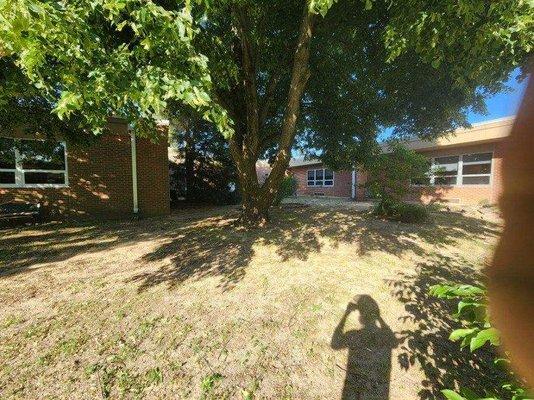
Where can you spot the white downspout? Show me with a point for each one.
(134, 172)
(354, 183)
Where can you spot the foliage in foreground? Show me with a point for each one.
(90, 59)
(476, 332)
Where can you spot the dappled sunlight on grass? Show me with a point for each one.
(158, 308)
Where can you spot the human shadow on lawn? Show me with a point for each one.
(444, 364)
(217, 247)
(368, 369)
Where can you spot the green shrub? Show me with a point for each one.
(399, 211)
(476, 332)
(412, 213)
(389, 174)
(288, 187)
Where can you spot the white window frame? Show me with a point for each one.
(433, 176)
(323, 180)
(460, 175)
(19, 171)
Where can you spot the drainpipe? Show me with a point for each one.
(354, 183)
(134, 172)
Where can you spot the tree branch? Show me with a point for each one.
(249, 82)
(269, 97)
(299, 78)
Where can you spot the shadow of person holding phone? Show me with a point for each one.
(369, 351)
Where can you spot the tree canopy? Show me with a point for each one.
(358, 67)
(322, 74)
(96, 58)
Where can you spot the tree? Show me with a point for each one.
(89, 59)
(322, 75)
(204, 172)
(331, 76)
(390, 174)
(476, 332)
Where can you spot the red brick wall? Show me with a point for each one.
(469, 194)
(153, 177)
(497, 168)
(342, 183)
(100, 179)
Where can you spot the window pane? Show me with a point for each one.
(7, 177)
(476, 180)
(44, 178)
(448, 169)
(477, 157)
(445, 180)
(446, 165)
(39, 154)
(7, 153)
(474, 169)
(311, 175)
(329, 183)
(318, 174)
(311, 183)
(319, 183)
(328, 174)
(446, 160)
(424, 181)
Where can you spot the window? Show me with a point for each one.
(7, 161)
(320, 177)
(466, 169)
(27, 163)
(421, 181)
(328, 177)
(476, 169)
(445, 170)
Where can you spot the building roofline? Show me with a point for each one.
(294, 163)
(484, 132)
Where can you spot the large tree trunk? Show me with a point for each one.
(255, 210)
(245, 148)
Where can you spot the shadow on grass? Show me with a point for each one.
(368, 370)
(208, 243)
(444, 364)
(216, 247)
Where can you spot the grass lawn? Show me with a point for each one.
(191, 307)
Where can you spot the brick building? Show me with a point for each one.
(116, 176)
(467, 168)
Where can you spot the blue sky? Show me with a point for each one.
(503, 104)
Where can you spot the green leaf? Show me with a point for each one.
(451, 395)
(461, 333)
(491, 335)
